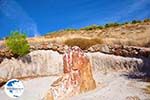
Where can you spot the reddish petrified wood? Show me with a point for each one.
(77, 76)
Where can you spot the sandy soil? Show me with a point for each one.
(35, 88)
(110, 86)
(115, 86)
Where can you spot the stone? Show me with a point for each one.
(105, 49)
(77, 77)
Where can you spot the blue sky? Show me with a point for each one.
(38, 17)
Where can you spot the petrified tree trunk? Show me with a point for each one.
(77, 76)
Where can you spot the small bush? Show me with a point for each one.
(100, 27)
(70, 29)
(136, 21)
(92, 27)
(147, 20)
(17, 43)
(82, 42)
(112, 25)
(125, 23)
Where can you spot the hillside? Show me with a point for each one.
(137, 34)
(130, 34)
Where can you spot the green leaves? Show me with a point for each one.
(92, 27)
(17, 43)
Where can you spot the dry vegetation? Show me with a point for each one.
(83, 43)
(135, 33)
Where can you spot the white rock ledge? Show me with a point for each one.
(47, 62)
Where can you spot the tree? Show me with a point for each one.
(17, 43)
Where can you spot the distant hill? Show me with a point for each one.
(135, 33)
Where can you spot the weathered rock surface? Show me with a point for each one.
(47, 62)
(77, 76)
(110, 86)
(120, 50)
(106, 62)
(115, 86)
(37, 63)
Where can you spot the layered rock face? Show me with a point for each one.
(36, 63)
(104, 62)
(77, 76)
(47, 62)
(120, 50)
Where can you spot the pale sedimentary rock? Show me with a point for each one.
(35, 64)
(103, 62)
(48, 62)
(77, 77)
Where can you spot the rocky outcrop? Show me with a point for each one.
(36, 63)
(77, 76)
(106, 62)
(120, 50)
(61, 48)
(6, 53)
(47, 62)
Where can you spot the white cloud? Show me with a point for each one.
(12, 10)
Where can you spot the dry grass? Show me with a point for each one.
(83, 43)
(137, 34)
(129, 34)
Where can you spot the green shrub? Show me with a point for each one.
(17, 43)
(100, 27)
(92, 27)
(82, 42)
(135, 21)
(112, 25)
(125, 23)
